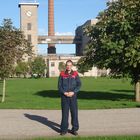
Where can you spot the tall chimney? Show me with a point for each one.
(51, 32)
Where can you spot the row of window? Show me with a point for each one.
(29, 27)
(29, 38)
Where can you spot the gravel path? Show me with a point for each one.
(24, 124)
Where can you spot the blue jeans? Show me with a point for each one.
(69, 103)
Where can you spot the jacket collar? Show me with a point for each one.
(66, 72)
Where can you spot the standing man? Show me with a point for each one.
(69, 84)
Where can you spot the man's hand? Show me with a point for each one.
(70, 94)
(66, 94)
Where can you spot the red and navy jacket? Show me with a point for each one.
(69, 82)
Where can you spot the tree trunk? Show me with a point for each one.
(3, 91)
(137, 91)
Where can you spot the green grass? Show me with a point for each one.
(97, 93)
(95, 138)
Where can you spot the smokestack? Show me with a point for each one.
(51, 32)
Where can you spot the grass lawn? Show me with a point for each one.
(95, 138)
(97, 93)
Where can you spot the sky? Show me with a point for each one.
(68, 15)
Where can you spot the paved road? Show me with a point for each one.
(23, 124)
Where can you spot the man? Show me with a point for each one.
(69, 84)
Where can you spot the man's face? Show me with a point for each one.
(69, 66)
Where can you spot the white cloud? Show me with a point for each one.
(64, 33)
(42, 31)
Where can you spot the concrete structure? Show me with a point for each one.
(28, 22)
(84, 39)
(42, 39)
(80, 39)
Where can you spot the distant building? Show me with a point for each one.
(80, 32)
(53, 62)
(28, 22)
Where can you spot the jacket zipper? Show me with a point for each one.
(69, 84)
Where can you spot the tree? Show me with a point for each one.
(38, 66)
(61, 66)
(22, 68)
(13, 46)
(115, 40)
(82, 66)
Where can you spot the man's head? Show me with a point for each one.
(69, 65)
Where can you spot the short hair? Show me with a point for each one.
(69, 61)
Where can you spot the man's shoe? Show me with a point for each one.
(63, 133)
(75, 133)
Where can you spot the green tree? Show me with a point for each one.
(13, 46)
(61, 66)
(82, 66)
(38, 66)
(115, 40)
(22, 68)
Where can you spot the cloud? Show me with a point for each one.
(42, 31)
(64, 33)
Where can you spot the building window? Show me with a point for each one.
(52, 64)
(29, 38)
(29, 26)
